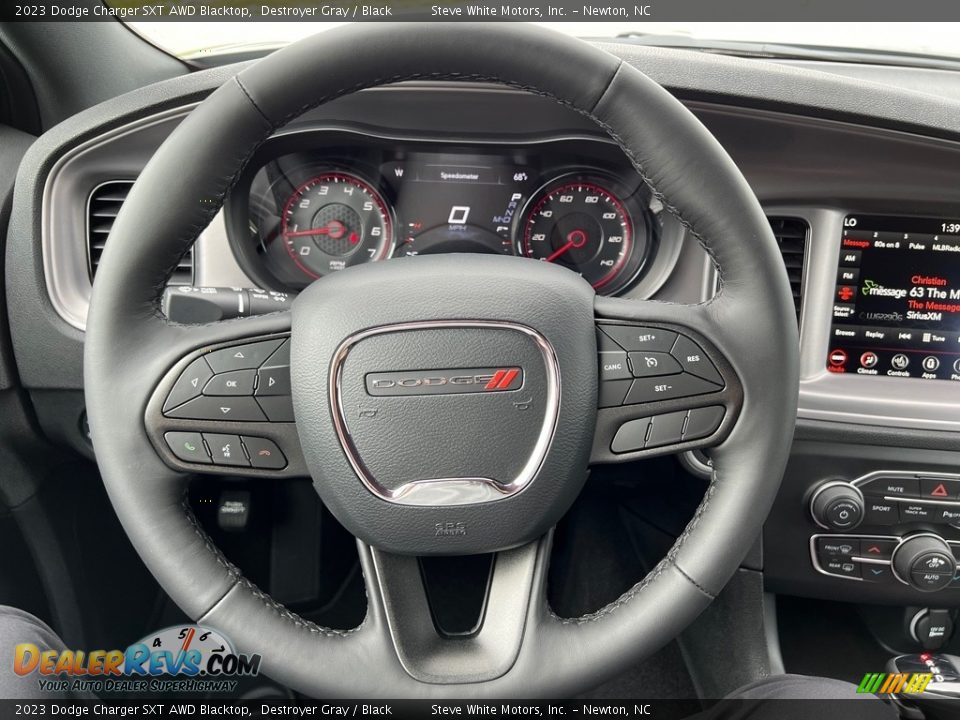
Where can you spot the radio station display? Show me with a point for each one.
(896, 305)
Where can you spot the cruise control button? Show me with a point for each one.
(613, 365)
(190, 384)
(226, 449)
(635, 338)
(238, 382)
(631, 436)
(227, 409)
(264, 454)
(187, 446)
(694, 360)
(666, 429)
(242, 357)
(838, 547)
(840, 566)
(273, 380)
(938, 489)
(612, 392)
(277, 409)
(651, 364)
(880, 512)
(646, 390)
(702, 422)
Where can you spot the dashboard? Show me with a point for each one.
(314, 203)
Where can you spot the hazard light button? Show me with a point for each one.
(935, 489)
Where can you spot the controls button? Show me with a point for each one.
(264, 454)
(238, 382)
(850, 258)
(650, 364)
(837, 358)
(187, 446)
(646, 390)
(897, 487)
(930, 580)
(634, 338)
(227, 409)
(869, 360)
(605, 343)
(930, 363)
(880, 512)
(939, 489)
(612, 392)
(838, 547)
(694, 360)
(842, 514)
(876, 573)
(273, 380)
(913, 512)
(702, 422)
(277, 409)
(840, 566)
(226, 449)
(190, 384)
(666, 429)
(242, 357)
(281, 356)
(900, 362)
(613, 365)
(877, 549)
(631, 436)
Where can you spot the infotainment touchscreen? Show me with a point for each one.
(896, 306)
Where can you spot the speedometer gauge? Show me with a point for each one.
(333, 221)
(582, 222)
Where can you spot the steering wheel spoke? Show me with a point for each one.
(514, 585)
(664, 387)
(224, 406)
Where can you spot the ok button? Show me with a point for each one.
(613, 365)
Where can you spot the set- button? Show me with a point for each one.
(241, 383)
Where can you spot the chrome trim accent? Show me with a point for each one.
(436, 492)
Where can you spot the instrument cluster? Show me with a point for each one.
(315, 203)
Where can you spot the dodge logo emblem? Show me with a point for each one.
(445, 382)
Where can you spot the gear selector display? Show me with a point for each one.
(896, 304)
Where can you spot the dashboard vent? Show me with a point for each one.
(102, 208)
(791, 234)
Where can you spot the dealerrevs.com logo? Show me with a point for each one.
(187, 658)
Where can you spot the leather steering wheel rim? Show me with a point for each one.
(129, 344)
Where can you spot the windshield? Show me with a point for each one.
(192, 39)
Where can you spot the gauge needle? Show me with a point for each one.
(334, 229)
(575, 239)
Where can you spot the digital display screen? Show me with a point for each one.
(896, 305)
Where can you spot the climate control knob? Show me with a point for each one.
(837, 506)
(924, 562)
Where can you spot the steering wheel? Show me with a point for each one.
(443, 404)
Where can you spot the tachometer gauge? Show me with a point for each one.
(582, 222)
(333, 221)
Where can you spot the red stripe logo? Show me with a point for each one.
(501, 379)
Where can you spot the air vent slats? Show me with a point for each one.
(791, 234)
(103, 205)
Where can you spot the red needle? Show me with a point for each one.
(334, 229)
(575, 239)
